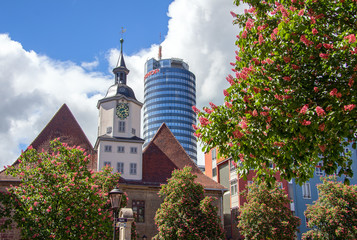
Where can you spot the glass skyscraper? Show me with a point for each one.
(170, 93)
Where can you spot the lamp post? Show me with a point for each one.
(115, 196)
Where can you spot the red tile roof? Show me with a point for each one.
(164, 154)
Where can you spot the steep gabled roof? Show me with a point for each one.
(164, 154)
(64, 126)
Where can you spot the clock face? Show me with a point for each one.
(122, 110)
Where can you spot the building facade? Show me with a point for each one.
(307, 193)
(119, 144)
(169, 94)
(224, 171)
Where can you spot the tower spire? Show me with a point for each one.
(120, 71)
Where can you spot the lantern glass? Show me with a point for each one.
(115, 198)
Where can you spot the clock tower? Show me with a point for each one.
(119, 144)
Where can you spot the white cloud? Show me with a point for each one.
(90, 65)
(35, 86)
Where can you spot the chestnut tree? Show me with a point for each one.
(58, 196)
(292, 94)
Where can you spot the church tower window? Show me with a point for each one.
(121, 126)
(132, 168)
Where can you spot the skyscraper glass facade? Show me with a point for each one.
(170, 93)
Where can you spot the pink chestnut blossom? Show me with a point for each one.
(349, 107)
(233, 14)
(254, 113)
(324, 55)
(351, 38)
(195, 109)
(304, 109)
(213, 106)
(243, 124)
(204, 121)
(228, 104)
(320, 112)
(306, 122)
(249, 24)
(225, 92)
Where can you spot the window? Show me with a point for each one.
(120, 167)
(214, 154)
(280, 185)
(214, 172)
(306, 191)
(107, 148)
(318, 169)
(121, 126)
(249, 183)
(233, 166)
(133, 131)
(109, 129)
(121, 149)
(121, 76)
(132, 168)
(133, 150)
(139, 210)
(234, 187)
(107, 164)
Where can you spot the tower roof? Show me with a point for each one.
(122, 89)
(120, 71)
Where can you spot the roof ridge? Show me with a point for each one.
(62, 110)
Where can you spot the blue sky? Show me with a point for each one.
(82, 31)
(56, 52)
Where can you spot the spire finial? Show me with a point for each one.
(121, 45)
(123, 30)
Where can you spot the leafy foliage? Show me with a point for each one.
(58, 196)
(292, 98)
(185, 212)
(334, 214)
(266, 214)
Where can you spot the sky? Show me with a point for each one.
(56, 52)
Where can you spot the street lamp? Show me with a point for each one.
(115, 196)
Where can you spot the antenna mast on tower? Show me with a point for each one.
(160, 49)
